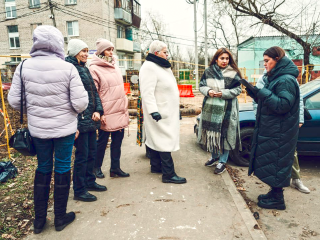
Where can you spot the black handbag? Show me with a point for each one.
(22, 140)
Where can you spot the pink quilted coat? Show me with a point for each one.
(109, 83)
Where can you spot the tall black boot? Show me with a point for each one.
(265, 196)
(41, 197)
(275, 201)
(61, 194)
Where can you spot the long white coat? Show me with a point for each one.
(159, 93)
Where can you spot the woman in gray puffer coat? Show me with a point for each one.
(277, 127)
(54, 95)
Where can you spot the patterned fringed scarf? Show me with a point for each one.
(216, 112)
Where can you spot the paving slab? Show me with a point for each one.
(142, 207)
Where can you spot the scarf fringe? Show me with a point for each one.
(212, 141)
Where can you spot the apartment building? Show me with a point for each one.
(88, 20)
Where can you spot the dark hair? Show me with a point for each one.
(232, 63)
(275, 52)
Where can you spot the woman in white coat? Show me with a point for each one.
(160, 103)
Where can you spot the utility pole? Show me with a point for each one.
(196, 43)
(205, 33)
(52, 13)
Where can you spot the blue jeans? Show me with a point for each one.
(115, 149)
(223, 158)
(62, 149)
(85, 156)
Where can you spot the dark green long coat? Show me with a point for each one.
(85, 122)
(277, 126)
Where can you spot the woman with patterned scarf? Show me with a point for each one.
(219, 122)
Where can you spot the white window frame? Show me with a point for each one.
(16, 58)
(120, 30)
(70, 2)
(32, 4)
(122, 62)
(14, 35)
(130, 62)
(75, 28)
(13, 10)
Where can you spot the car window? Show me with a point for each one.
(313, 102)
(305, 88)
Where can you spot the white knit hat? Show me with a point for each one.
(75, 46)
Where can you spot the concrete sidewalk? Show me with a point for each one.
(142, 207)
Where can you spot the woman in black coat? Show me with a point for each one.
(277, 127)
(88, 122)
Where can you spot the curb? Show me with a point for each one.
(243, 209)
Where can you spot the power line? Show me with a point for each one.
(27, 14)
(18, 9)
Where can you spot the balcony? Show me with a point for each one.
(123, 16)
(123, 44)
(136, 47)
(136, 20)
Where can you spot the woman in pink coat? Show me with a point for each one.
(109, 82)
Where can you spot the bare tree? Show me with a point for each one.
(298, 22)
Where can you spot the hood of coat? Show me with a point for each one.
(284, 66)
(47, 40)
(102, 62)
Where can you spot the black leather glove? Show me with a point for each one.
(253, 93)
(156, 116)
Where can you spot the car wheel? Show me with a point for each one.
(242, 158)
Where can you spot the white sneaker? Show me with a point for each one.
(297, 183)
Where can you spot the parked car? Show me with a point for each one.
(309, 133)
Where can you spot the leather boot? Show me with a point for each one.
(41, 197)
(61, 194)
(98, 172)
(265, 196)
(275, 201)
(118, 173)
(175, 179)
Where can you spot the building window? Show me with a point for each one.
(34, 3)
(71, 2)
(121, 60)
(34, 26)
(13, 33)
(130, 62)
(120, 32)
(73, 28)
(10, 7)
(15, 59)
(136, 8)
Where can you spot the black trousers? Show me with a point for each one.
(85, 155)
(115, 149)
(162, 161)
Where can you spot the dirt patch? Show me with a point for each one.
(123, 205)
(16, 200)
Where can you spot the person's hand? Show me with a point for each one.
(218, 94)
(96, 116)
(211, 93)
(156, 116)
(300, 125)
(77, 135)
(103, 120)
(252, 94)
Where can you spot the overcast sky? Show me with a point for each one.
(177, 14)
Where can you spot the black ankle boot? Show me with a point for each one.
(275, 201)
(41, 197)
(265, 196)
(118, 173)
(98, 172)
(61, 194)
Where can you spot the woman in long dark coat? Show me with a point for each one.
(277, 127)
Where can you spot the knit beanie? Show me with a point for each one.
(103, 44)
(75, 46)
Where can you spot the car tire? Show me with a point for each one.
(242, 158)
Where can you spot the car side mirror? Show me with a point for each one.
(307, 115)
